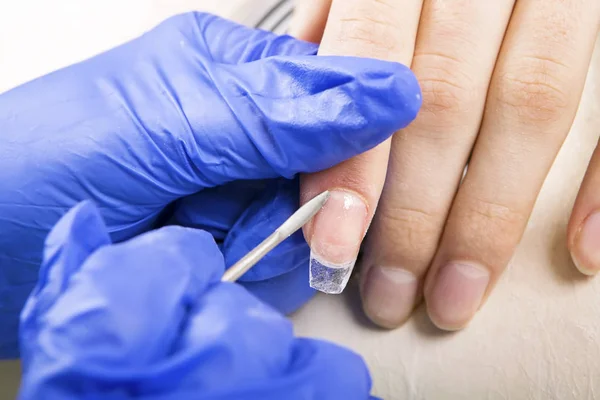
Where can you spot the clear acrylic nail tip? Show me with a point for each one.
(329, 278)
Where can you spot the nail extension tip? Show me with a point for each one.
(329, 278)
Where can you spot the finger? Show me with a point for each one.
(77, 235)
(533, 97)
(583, 237)
(127, 303)
(456, 50)
(309, 19)
(385, 30)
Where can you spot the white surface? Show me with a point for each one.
(537, 338)
(38, 36)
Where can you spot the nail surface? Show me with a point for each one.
(586, 252)
(389, 295)
(338, 231)
(457, 294)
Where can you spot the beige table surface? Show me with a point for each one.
(38, 36)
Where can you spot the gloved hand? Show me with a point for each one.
(197, 105)
(149, 318)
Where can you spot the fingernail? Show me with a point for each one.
(586, 254)
(457, 294)
(338, 231)
(389, 295)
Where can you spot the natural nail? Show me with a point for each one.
(456, 294)
(586, 252)
(338, 231)
(389, 295)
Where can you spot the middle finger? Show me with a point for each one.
(457, 45)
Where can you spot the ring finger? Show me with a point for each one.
(456, 48)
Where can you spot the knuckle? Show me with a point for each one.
(371, 31)
(493, 225)
(443, 97)
(412, 233)
(363, 38)
(535, 90)
(446, 93)
(493, 212)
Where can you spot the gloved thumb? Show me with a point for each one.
(301, 114)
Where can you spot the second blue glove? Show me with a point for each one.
(149, 318)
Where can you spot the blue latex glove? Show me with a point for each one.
(149, 318)
(197, 105)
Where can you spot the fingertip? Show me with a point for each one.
(581, 267)
(382, 323)
(79, 233)
(584, 247)
(408, 89)
(389, 295)
(72, 241)
(83, 223)
(401, 97)
(386, 93)
(456, 292)
(444, 324)
(193, 253)
(194, 245)
(441, 319)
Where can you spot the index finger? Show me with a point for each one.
(384, 29)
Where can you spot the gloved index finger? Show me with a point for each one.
(306, 114)
(231, 43)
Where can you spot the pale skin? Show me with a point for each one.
(501, 82)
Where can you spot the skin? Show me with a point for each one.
(501, 82)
